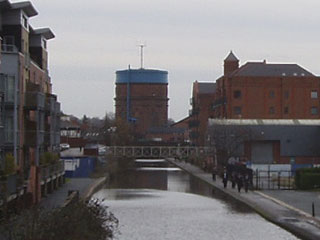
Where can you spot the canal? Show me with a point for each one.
(157, 201)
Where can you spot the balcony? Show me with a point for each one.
(50, 103)
(8, 136)
(7, 89)
(57, 108)
(34, 100)
(8, 48)
(47, 138)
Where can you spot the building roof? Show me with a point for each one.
(206, 87)
(45, 32)
(71, 125)
(231, 58)
(142, 75)
(283, 122)
(182, 121)
(263, 69)
(27, 7)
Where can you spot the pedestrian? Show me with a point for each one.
(233, 179)
(246, 182)
(225, 178)
(239, 182)
(214, 173)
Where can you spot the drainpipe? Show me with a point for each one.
(15, 116)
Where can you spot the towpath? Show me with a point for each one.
(285, 209)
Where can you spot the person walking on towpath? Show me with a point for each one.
(214, 173)
(239, 182)
(225, 178)
(246, 182)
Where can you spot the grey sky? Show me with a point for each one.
(189, 39)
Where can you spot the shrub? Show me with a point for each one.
(48, 158)
(10, 165)
(78, 221)
(307, 178)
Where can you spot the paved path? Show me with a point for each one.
(266, 204)
(301, 200)
(58, 197)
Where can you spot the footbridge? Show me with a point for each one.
(159, 151)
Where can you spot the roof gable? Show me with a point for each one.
(231, 58)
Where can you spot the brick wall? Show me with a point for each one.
(149, 104)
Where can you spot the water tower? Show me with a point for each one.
(142, 98)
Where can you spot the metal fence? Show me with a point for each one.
(273, 180)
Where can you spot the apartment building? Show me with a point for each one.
(29, 111)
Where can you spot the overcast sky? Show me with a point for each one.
(189, 39)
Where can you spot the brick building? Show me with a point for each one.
(30, 112)
(203, 95)
(261, 90)
(142, 98)
(255, 90)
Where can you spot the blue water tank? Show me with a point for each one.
(149, 76)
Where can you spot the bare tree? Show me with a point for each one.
(229, 140)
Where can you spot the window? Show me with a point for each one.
(314, 110)
(25, 21)
(44, 43)
(237, 94)
(271, 94)
(271, 110)
(286, 94)
(237, 110)
(10, 89)
(314, 94)
(9, 129)
(286, 110)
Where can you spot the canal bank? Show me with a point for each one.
(86, 187)
(280, 213)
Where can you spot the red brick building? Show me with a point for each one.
(203, 95)
(260, 90)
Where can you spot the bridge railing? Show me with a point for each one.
(158, 151)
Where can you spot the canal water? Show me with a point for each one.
(158, 201)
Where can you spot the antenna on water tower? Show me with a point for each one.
(141, 54)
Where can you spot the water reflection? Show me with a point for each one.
(161, 175)
(157, 201)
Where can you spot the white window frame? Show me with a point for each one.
(314, 94)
